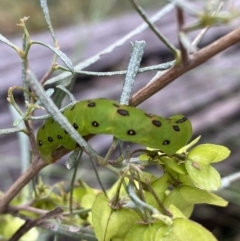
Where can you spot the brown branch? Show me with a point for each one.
(30, 224)
(26, 207)
(180, 23)
(197, 59)
(81, 233)
(30, 129)
(47, 75)
(14, 210)
(17, 186)
(32, 171)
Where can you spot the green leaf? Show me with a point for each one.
(113, 190)
(144, 157)
(208, 153)
(120, 222)
(111, 224)
(192, 143)
(143, 232)
(184, 230)
(80, 190)
(178, 200)
(146, 177)
(204, 176)
(171, 163)
(87, 202)
(186, 180)
(10, 225)
(198, 165)
(176, 212)
(196, 196)
(100, 216)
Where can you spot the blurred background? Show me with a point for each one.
(208, 95)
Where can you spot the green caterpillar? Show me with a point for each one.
(127, 123)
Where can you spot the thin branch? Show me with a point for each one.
(79, 233)
(26, 207)
(197, 59)
(226, 181)
(78, 158)
(132, 70)
(160, 67)
(98, 178)
(180, 23)
(30, 224)
(17, 186)
(155, 30)
(30, 129)
(50, 71)
(199, 37)
(82, 65)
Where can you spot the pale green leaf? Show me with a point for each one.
(100, 216)
(204, 176)
(175, 212)
(10, 225)
(143, 232)
(175, 198)
(186, 180)
(120, 222)
(144, 157)
(87, 203)
(110, 224)
(171, 163)
(196, 196)
(147, 177)
(208, 153)
(192, 143)
(114, 188)
(184, 230)
(81, 188)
